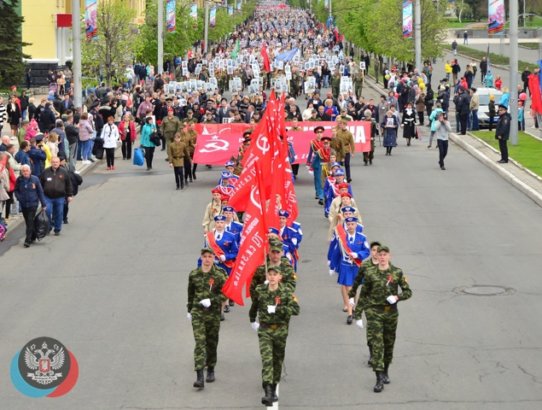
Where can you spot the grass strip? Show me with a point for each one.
(528, 152)
(493, 58)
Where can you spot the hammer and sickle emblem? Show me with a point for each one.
(215, 144)
(263, 144)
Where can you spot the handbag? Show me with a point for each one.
(155, 139)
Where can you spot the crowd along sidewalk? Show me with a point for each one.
(513, 172)
(16, 219)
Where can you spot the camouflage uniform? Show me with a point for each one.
(381, 316)
(273, 330)
(360, 278)
(289, 277)
(205, 321)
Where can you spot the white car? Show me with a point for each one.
(483, 110)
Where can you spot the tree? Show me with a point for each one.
(111, 50)
(11, 44)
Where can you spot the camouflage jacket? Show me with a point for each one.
(282, 297)
(203, 285)
(289, 277)
(378, 285)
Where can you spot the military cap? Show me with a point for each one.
(346, 194)
(224, 197)
(247, 134)
(343, 185)
(215, 191)
(274, 231)
(325, 137)
(319, 128)
(348, 209)
(206, 250)
(275, 246)
(339, 173)
(351, 219)
(274, 269)
(336, 164)
(227, 209)
(229, 164)
(383, 248)
(226, 174)
(284, 213)
(220, 218)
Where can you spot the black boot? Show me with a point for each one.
(210, 375)
(385, 377)
(379, 386)
(267, 400)
(275, 397)
(199, 384)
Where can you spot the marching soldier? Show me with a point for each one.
(275, 259)
(204, 303)
(348, 145)
(177, 154)
(273, 304)
(378, 298)
(170, 126)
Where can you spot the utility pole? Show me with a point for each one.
(76, 47)
(418, 34)
(206, 31)
(160, 30)
(514, 70)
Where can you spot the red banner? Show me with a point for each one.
(252, 248)
(218, 143)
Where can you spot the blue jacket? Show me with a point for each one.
(22, 158)
(37, 156)
(29, 192)
(146, 132)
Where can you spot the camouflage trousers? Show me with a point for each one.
(272, 351)
(381, 328)
(205, 325)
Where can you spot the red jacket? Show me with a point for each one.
(122, 131)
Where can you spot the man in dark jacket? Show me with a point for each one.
(502, 133)
(29, 193)
(72, 135)
(57, 187)
(463, 109)
(47, 118)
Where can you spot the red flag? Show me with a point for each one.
(253, 245)
(534, 88)
(265, 56)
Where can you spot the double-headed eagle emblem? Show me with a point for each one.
(44, 362)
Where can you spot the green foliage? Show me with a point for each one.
(376, 26)
(527, 152)
(111, 50)
(11, 44)
(187, 33)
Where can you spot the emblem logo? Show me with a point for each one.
(214, 145)
(44, 367)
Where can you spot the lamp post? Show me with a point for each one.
(206, 30)
(514, 71)
(418, 34)
(160, 32)
(76, 67)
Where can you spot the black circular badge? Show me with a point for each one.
(44, 363)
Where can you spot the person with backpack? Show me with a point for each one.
(29, 193)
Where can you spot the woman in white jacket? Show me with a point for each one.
(111, 136)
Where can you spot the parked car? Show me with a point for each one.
(483, 110)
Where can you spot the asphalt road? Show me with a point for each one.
(112, 288)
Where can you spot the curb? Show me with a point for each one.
(502, 171)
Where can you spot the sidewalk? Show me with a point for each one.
(517, 175)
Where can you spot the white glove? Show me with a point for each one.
(332, 272)
(359, 323)
(392, 299)
(294, 241)
(205, 303)
(352, 302)
(271, 309)
(222, 258)
(266, 282)
(189, 316)
(354, 255)
(255, 326)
